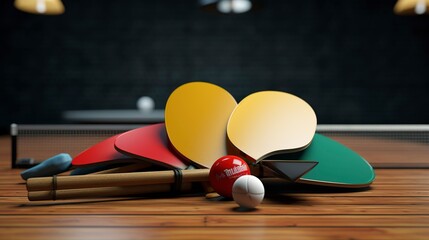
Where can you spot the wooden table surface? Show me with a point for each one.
(396, 206)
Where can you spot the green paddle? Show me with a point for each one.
(338, 166)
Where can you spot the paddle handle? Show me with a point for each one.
(104, 192)
(115, 179)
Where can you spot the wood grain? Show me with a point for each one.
(396, 206)
(251, 233)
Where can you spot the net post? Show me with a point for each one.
(13, 138)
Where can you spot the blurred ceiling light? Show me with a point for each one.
(228, 6)
(411, 7)
(46, 7)
(234, 6)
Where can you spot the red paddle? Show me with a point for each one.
(102, 152)
(103, 156)
(149, 143)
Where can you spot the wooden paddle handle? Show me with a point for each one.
(103, 192)
(116, 179)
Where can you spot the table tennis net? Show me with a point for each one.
(35, 143)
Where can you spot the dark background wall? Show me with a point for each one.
(354, 61)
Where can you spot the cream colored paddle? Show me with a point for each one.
(271, 122)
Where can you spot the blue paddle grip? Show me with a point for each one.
(51, 166)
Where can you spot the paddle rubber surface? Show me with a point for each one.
(150, 144)
(196, 115)
(337, 166)
(103, 152)
(271, 122)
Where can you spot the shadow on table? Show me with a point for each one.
(282, 191)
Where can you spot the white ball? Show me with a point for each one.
(248, 191)
(145, 103)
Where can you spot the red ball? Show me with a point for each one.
(225, 171)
